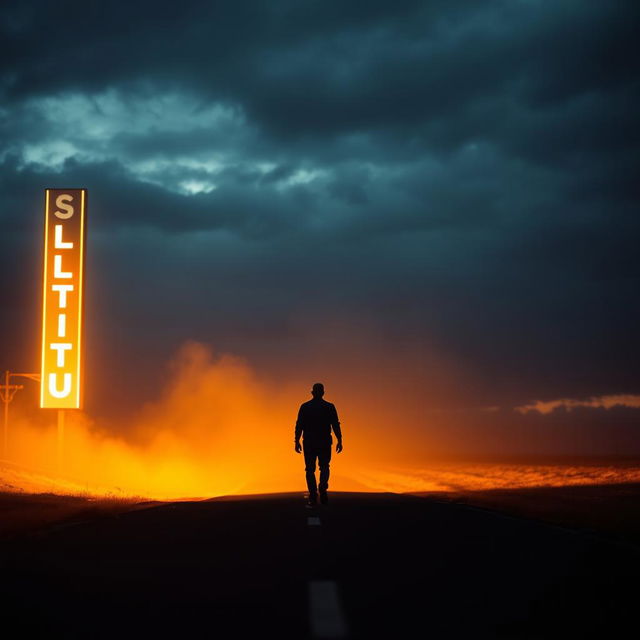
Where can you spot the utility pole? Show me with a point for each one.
(7, 391)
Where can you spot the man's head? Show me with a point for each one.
(317, 390)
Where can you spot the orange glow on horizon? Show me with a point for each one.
(218, 428)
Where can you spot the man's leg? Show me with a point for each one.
(324, 457)
(310, 455)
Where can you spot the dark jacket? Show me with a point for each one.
(315, 419)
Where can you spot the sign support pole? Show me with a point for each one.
(60, 439)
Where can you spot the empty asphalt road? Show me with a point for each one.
(366, 566)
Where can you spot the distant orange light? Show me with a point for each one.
(62, 298)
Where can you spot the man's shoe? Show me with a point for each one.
(324, 498)
(312, 501)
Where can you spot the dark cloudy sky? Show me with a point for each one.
(427, 188)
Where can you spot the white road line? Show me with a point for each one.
(313, 520)
(327, 620)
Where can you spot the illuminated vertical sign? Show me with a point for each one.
(62, 298)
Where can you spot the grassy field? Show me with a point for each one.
(23, 513)
(610, 509)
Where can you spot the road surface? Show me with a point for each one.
(366, 566)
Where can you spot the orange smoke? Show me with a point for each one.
(219, 428)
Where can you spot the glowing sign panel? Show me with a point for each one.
(62, 296)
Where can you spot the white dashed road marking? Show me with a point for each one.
(327, 620)
(313, 520)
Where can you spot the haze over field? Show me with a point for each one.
(218, 428)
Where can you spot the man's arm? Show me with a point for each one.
(335, 423)
(298, 432)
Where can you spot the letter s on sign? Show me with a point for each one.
(62, 202)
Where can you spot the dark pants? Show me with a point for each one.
(323, 453)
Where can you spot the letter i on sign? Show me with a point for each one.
(62, 298)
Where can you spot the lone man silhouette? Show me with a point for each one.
(315, 420)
